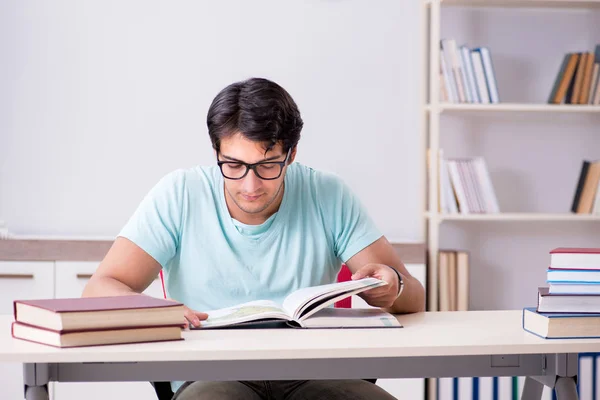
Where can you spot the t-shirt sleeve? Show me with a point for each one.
(155, 226)
(351, 228)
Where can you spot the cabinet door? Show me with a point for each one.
(21, 280)
(402, 388)
(71, 278)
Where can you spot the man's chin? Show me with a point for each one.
(251, 207)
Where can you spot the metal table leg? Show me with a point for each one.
(566, 389)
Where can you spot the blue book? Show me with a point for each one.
(561, 325)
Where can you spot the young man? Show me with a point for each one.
(254, 226)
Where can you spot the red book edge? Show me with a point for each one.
(575, 250)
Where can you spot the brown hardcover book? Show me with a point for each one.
(97, 337)
(565, 78)
(587, 79)
(590, 186)
(86, 313)
(575, 95)
(462, 280)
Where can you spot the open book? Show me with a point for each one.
(306, 308)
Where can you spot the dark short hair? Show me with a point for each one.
(259, 109)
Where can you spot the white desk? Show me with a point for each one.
(442, 344)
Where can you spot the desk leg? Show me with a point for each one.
(532, 389)
(566, 389)
(36, 393)
(36, 378)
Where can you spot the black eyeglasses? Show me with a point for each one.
(267, 170)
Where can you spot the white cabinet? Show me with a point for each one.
(401, 388)
(21, 280)
(71, 278)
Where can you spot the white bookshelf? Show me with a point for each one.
(519, 3)
(513, 217)
(434, 109)
(514, 107)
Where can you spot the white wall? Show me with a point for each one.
(100, 99)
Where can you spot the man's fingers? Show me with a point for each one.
(201, 315)
(364, 272)
(191, 316)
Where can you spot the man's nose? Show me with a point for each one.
(251, 182)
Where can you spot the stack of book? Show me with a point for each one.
(91, 321)
(587, 195)
(465, 186)
(578, 79)
(466, 75)
(570, 306)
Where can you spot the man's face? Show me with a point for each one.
(252, 194)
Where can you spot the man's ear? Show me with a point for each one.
(293, 155)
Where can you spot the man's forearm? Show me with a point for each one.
(412, 298)
(104, 286)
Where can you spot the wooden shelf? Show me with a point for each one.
(521, 3)
(517, 107)
(515, 217)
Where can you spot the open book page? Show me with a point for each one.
(351, 318)
(251, 311)
(324, 295)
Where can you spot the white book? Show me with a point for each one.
(448, 81)
(482, 88)
(307, 308)
(586, 377)
(448, 77)
(468, 64)
(463, 72)
(461, 195)
(450, 46)
(465, 388)
(468, 184)
(485, 181)
(450, 197)
(505, 388)
(486, 388)
(490, 75)
(445, 389)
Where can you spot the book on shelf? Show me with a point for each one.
(453, 280)
(587, 194)
(465, 186)
(306, 308)
(466, 75)
(578, 79)
(87, 321)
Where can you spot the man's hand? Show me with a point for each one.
(193, 317)
(382, 296)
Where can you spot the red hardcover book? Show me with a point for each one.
(86, 313)
(575, 258)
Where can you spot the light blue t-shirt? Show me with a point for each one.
(212, 261)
